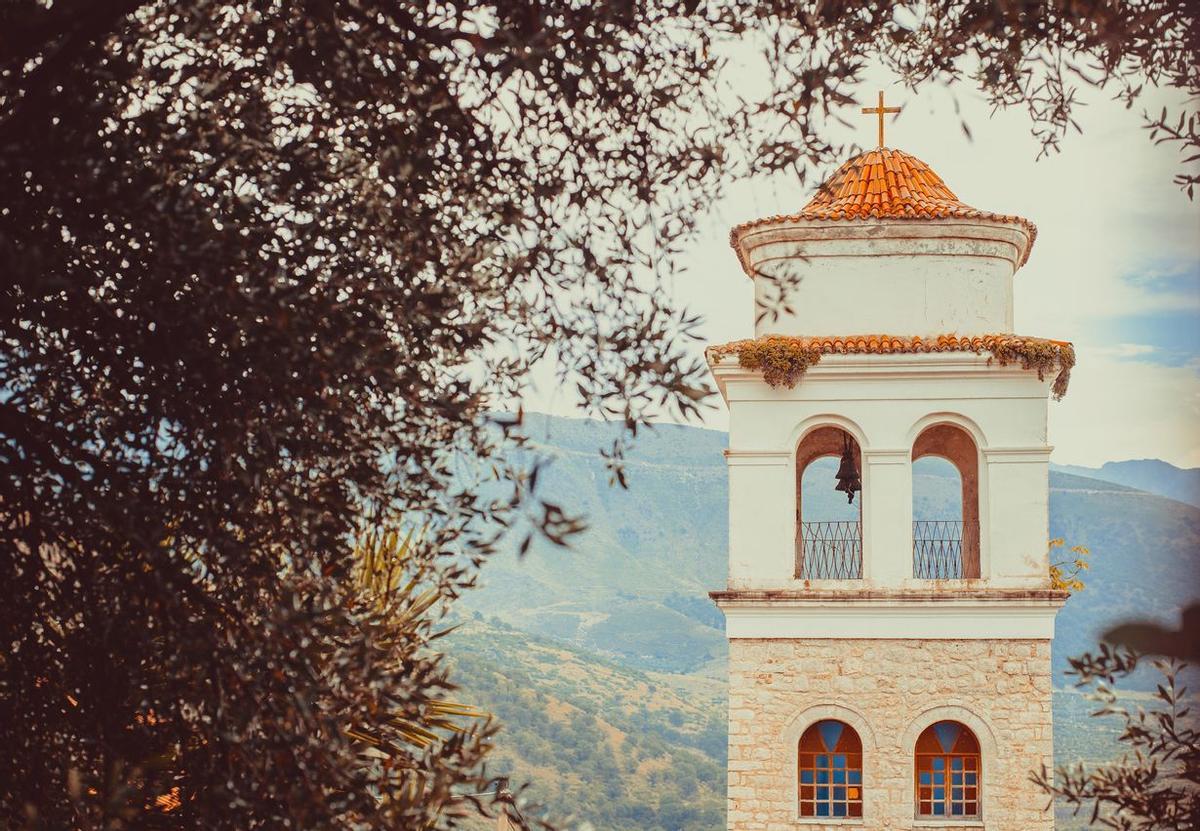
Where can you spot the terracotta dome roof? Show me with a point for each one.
(886, 184)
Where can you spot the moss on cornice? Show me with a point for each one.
(784, 359)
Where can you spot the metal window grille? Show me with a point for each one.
(830, 551)
(938, 549)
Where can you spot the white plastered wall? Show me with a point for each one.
(885, 401)
(886, 276)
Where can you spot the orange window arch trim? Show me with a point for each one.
(830, 770)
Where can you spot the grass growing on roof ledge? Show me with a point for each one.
(783, 359)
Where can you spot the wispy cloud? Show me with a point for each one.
(1170, 337)
(1178, 280)
(1119, 408)
(1125, 350)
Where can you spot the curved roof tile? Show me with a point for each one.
(1006, 347)
(885, 184)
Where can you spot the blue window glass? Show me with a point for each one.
(948, 776)
(830, 732)
(947, 733)
(830, 761)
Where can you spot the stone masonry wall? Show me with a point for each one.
(889, 691)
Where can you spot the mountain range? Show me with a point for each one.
(633, 586)
(587, 630)
(1149, 475)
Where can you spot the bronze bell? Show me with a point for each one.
(847, 475)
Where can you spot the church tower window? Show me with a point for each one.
(828, 506)
(946, 545)
(830, 771)
(949, 771)
(888, 505)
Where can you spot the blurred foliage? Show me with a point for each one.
(1152, 638)
(397, 738)
(1156, 785)
(266, 269)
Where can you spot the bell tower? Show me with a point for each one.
(889, 661)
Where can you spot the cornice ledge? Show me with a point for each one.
(804, 597)
(1039, 454)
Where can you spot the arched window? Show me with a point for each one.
(830, 770)
(949, 771)
(945, 504)
(828, 506)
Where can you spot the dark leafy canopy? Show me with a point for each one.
(266, 266)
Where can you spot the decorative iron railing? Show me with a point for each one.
(830, 551)
(941, 551)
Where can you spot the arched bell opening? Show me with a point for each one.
(828, 506)
(945, 514)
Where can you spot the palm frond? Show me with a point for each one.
(383, 576)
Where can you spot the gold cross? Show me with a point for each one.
(880, 110)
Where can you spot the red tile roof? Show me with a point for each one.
(885, 184)
(1040, 354)
(885, 344)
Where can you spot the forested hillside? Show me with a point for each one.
(605, 662)
(619, 748)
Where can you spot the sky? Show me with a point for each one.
(1115, 268)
